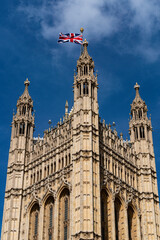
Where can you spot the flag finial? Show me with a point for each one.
(82, 30)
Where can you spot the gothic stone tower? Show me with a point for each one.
(21, 138)
(81, 181)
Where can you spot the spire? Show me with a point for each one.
(26, 93)
(138, 117)
(66, 108)
(25, 102)
(85, 64)
(137, 100)
(136, 87)
(25, 97)
(138, 103)
(85, 45)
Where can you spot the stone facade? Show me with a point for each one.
(81, 181)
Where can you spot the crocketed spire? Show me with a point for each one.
(138, 106)
(85, 63)
(25, 102)
(25, 97)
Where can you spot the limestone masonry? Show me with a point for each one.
(81, 181)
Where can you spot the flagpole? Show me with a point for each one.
(82, 30)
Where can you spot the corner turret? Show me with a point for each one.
(21, 139)
(23, 120)
(140, 125)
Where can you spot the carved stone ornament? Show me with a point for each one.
(34, 198)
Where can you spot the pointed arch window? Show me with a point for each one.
(45, 171)
(23, 110)
(141, 129)
(105, 215)
(28, 130)
(22, 128)
(85, 70)
(69, 156)
(117, 212)
(62, 162)
(79, 89)
(48, 226)
(64, 215)
(51, 168)
(54, 166)
(119, 225)
(116, 225)
(132, 224)
(136, 133)
(85, 88)
(48, 170)
(34, 222)
(140, 114)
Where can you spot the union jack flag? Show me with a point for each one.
(70, 37)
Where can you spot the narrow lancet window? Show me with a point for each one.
(22, 128)
(105, 214)
(36, 224)
(33, 223)
(136, 133)
(64, 215)
(48, 219)
(142, 135)
(140, 114)
(24, 110)
(132, 225)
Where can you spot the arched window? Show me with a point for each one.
(22, 128)
(37, 176)
(51, 167)
(66, 161)
(69, 156)
(79, 89)
(62, 162)
(105, 215)
(116, 170)
(119, 219)
(40, 174)
(54, 166)
(64, 221)
(141, 129)
(28, 130)
(24, 110)
(48, 226)
(34, 178)
(33, 223)
(59, 167)
(85, 88)
(132, 224)
(92, 90)
(135, 114)
(136, 133)
(31, 179)
(45, 172)
(85, 69)
(140, 114)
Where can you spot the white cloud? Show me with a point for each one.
(100, 19)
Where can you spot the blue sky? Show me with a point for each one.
(124, 41)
